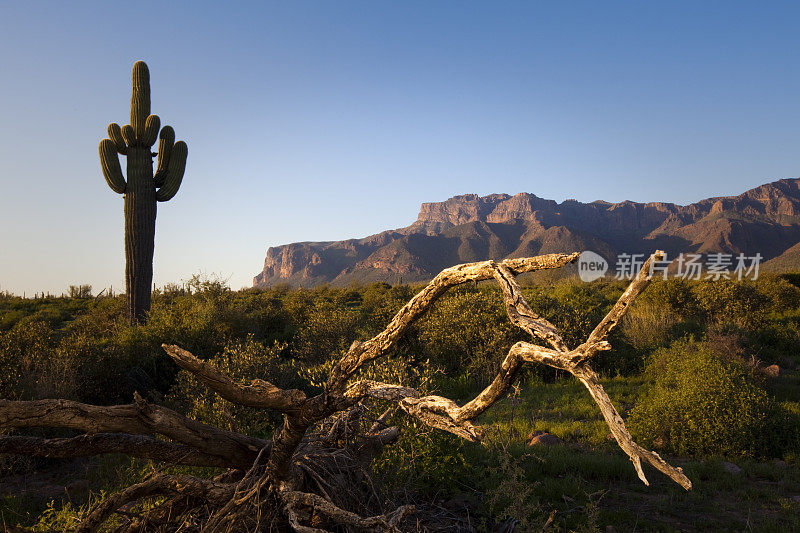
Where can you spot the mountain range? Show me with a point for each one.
(469, 227)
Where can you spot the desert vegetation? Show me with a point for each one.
(704, 372)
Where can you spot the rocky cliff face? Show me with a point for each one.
(473, 228)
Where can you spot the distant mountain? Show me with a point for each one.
(467, 228)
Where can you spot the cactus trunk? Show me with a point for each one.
(140, 231)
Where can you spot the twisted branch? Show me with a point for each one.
(131, 428)
(259, 393)
(139, 418)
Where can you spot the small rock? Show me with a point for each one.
(772, 371)
(541, 438)
(730, 467)
(796, 498)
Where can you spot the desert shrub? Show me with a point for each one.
(243, 361)
(381, 302)
(738, 303)
(649, 325)
(203, 322)
(331, 324)
(262, 315)
(23, 352)
(782, 295)
(776, 342)
(207, 319)
(701, 404)
(674, 295)
(511, 495)
(668, 309)
(577, 307)
(468, 332)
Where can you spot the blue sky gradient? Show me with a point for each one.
(328, 120)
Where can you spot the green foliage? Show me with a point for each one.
(424, 460)
(468, 332)
(666, 310)
(23, 354)
(701, 404)
(331, 326)
(53, 310)
(80, 291)
(738, 303)
(74, 347)
(244, 362)
(573, 306)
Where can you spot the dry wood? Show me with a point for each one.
(386, 340)
(136, 418)
(208, 491)
(259, 393)
(279, 478)
(295, 500)
(140, 446)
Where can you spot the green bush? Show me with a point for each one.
(738, 303)
(700, 404)
(782, 295)
(244, 362)
(468, 332)
(23, 354)
(666, 310)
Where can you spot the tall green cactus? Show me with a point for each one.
(142, 189)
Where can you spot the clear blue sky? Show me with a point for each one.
(328, 120)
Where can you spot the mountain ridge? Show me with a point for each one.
(469, 227)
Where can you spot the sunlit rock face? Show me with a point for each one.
(469, 227)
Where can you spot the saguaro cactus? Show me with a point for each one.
(142, 189)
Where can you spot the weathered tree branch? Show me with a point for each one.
(131, 428)
(294, 500)
(140, 446)
(137, 418)
(385, 341)
(521, 313)
(433, 411)
(259, 393)
(446, 415)
(623, 437)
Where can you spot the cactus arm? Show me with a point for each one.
(167, 139)
(151, 130)
(115, 134)
(140, 99)
(110, 164)
(129, 135)
(177, 165)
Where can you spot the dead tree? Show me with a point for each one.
(285, 477)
